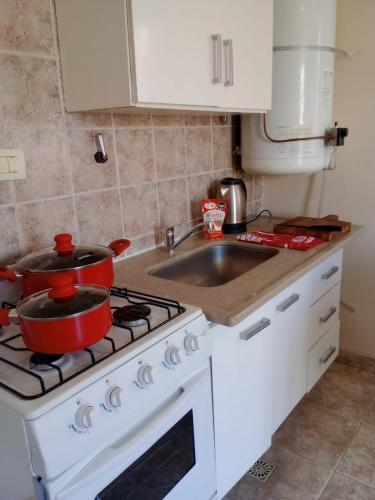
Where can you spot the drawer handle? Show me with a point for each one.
(288, 302)
(258, 327)
(330, 273)
(216, 44)
(331, 312)
(331, 351)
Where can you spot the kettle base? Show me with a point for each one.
(240, 227)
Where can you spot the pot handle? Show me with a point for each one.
(119, 246)
(6, 273)
(4, 316)
(62, 288)
(64, 245)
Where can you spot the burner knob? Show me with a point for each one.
(191, 343)
(172, 356)
(113, 398)
(144, 375)
(83, 417)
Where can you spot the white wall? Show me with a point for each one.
(350, 190)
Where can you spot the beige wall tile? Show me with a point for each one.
(140, 211)
(173, 202)
(198, 150)
(200, 187)
(135, 156)
(168, 120)
(258, 187)
(121, 120)
(222, 148)
(198, 120)
(88, 119)
(10, 247)
(29, 92)
(48, 172)
(6, 193)
(99, 217)
(143, 243)
(220, 121)
(26, 25)
(170, 152)
(87, 173)
(40, 221)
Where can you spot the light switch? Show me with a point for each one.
(12, 165)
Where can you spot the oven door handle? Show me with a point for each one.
(139, 442)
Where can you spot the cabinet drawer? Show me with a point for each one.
(323, 314)
(322, 355)
(325, 276)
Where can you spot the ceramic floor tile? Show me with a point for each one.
(359, 460)
(293, 478)
(343, 488)
(369, 417)
(316, 434)
(344, 390)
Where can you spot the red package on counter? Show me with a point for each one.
(214, 212)
(295, 242)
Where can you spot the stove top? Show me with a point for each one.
(30, 375)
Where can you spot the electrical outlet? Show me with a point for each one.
(12, 165)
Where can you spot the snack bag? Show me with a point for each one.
(214, 212)
(295, 242)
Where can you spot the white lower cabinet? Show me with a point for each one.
(262, 367)
(289, 357)
(242, 394)
(323, 354)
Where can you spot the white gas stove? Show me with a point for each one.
(130, 417)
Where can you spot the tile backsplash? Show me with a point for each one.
(159, 166)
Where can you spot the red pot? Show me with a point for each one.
(63, 319)
(86, 264)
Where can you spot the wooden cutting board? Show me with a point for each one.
(327, 228)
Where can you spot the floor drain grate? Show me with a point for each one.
(261, 470)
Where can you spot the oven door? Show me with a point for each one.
(170, 456)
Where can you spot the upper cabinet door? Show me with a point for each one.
(174, 52)
(247, 31)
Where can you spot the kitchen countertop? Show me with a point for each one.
(230, 303)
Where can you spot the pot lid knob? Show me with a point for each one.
(62, 288)
(64, 245)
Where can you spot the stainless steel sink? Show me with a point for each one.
(215, 265)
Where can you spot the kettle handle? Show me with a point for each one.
(243, 185)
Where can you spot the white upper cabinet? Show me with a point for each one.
(247, 34)
(213, 55)
(173, 52)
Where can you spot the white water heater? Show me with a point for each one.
(302, 96)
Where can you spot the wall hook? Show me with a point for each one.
(101, 155)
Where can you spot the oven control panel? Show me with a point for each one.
(112, 406)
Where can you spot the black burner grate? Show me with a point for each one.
(171, 307)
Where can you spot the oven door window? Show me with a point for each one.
(159, 469)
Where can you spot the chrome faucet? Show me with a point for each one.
(171, 244)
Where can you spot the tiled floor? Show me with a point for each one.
(326, 448)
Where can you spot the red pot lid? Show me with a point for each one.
(63, 300)
(64, 256)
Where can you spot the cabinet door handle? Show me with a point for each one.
(216, 47)
(331, 312)
(331, 272)
(253, 330)
(228, 57)
(331, 351)
(288, 302)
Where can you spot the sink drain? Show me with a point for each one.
(261, 470)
